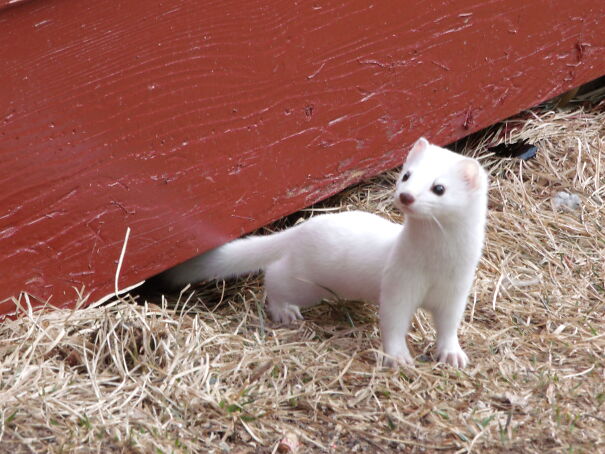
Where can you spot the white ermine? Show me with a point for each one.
(429, 261)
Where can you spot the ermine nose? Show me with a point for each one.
(406, 199)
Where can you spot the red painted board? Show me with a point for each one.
(8, 3)
(195, 122)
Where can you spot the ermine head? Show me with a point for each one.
(439, 184)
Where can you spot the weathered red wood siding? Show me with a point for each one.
(195, 122)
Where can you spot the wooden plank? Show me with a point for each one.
(195, 122)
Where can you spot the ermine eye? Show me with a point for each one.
(438, 189)
(406, 176)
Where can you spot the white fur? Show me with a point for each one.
(428, 262)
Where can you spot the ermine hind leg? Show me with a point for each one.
(286, 294)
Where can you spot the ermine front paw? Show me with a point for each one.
(403, 359)
(285, 313)
(454, 356)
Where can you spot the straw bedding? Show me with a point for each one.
(206, 371)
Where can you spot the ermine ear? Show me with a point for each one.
(470, 171)
(417, 149)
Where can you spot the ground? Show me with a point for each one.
(208, 372)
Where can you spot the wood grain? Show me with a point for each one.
(195, 122)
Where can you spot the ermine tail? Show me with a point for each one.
(238, 257)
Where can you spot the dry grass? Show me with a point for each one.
(197, 375)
